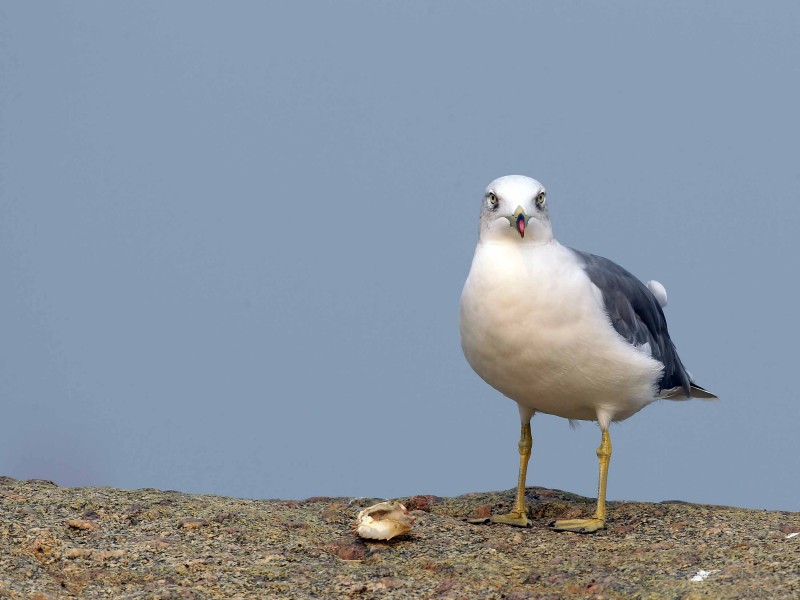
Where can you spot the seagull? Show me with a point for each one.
(562, 332)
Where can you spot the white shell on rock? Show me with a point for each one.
(383, 521)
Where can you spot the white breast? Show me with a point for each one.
(533, 326)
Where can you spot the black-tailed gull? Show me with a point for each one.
(562, 332)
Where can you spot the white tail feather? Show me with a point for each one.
(659, 291)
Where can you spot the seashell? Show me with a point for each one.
(383, 521)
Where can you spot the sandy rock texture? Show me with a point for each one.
(108, 543)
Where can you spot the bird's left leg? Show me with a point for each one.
(598, 521)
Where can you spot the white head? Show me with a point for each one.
(514, 208)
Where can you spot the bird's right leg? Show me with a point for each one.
(519, 513)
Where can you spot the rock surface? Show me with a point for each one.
(108, 543)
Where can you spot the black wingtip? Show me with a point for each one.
(699, 392)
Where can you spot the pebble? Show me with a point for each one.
(193, 523)
(82, 524)
(533, 577)
(349, 549)
(423, 502)
(484, 511)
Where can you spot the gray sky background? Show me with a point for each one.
(233, 238)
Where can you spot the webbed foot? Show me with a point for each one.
(579, 525)
(514, 518)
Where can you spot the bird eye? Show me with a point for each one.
(492, 199)
(540, 198)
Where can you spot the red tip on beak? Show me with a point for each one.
(521, 225)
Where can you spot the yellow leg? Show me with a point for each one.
(604, 457)
(598, 521)
(519, 514)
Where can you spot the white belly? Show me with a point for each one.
(533, 327)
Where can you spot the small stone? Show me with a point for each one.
(575, 512)
(424, 502)
(334, 512)
(270, 558)
(14, 497)
(107, 554)
(133, 515)
(221, 518)
(82, 524)
(192, 523)
(788, 528)
(333, 516)
(622, 529)
(677, 525)
(483, 511)
(594, 587)
(352, 552)
(438, 567)
(500, 546)
(550, 510)
(288, 503)
(447, 585)
(314, 499)
(45, 547)
(196, 565)
(519, 595)
(347, 549)
(158, 543)
(390, 583)
(533, 577)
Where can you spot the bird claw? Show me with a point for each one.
(579, 525)
(515, 519)
(481, 521)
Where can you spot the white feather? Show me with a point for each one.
(534, 327)
(702, 575)
(659, 291)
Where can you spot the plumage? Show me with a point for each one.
(558, 330)
(636, 315)
(562, 331)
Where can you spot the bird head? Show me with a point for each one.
(514, 208)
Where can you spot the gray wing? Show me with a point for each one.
(637, 316)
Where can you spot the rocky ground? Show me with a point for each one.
(102, 543)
